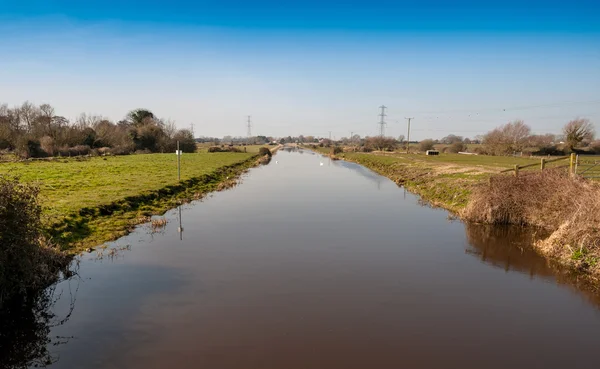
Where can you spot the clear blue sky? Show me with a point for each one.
(308, 67)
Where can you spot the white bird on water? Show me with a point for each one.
(321, 163)
(276, 162)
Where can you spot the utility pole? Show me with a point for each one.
(382, 121)
(408, 135)
(351, 137)
(192, 127)
(249, 127)
(329, 135)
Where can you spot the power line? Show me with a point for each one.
(382, 122)
(522, 107)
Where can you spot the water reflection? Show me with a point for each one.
(506, 247)
(510, 248)
(25, 326)
(363, 172)
(180, 228)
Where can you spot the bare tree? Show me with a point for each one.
(169, 128)
(426, 144)
(28, 114)
(506, 139)
(450, 139)
(577, 131)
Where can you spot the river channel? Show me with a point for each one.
(314, 263)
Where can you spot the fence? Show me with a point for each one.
(587, 166)
(544, 162)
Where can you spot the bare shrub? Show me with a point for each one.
(568, 207)
(457, 147)
(47, 144)
(264, 151)
(426, 145)
(79, 150)
(381, 143)
(104, 151)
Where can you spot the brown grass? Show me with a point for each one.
(567, 207)
(158, 223)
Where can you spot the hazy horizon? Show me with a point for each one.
(308, 67)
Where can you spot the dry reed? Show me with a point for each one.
(568, 207)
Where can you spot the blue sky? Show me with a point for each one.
(308, 67)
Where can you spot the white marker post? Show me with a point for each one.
(178, 152)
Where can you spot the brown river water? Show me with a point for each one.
(313, 263)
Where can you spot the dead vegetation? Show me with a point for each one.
(567, 207)
(158, 223)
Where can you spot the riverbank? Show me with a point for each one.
(89, 202)
(573, 241)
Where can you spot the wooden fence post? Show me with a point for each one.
(516, 170)
(543, 164)
(572, 164)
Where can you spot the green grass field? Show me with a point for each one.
(491, 163)
(69, 185)
(499, 162)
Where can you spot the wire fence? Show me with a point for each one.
(587, 166)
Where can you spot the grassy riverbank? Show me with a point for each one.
(471, 187)
(90, 201)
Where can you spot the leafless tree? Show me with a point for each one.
(506, 139)
(578, 130)
(425, 145)
(28, 114)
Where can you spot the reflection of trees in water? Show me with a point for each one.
(511, 248)
(362, 171)
(25, 325)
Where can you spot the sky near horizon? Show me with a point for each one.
(308, 67)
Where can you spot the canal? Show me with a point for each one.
(313, 263)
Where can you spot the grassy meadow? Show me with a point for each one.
(71, 184)
(123, 188)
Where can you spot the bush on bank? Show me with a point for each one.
(28, 263)
(552, 200)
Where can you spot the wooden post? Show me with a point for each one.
(572, 164)
(516, 170)
(543, 164)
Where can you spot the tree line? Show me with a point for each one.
(517, 137)
(31, 131)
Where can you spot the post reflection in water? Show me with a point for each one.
(180, 228)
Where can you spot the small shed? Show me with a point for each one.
(432, 152)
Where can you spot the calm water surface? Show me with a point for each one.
(322, 266)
